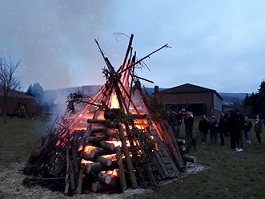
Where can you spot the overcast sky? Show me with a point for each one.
(215, 44)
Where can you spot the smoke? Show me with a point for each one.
(55, 40)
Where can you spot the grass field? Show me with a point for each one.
(230, 174)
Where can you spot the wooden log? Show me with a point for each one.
(76, 162)
(103, 161)
(87, 156)
(121, 169)
(189, 158)
(93, 140)
(107, 146)
(173, 145)
(98, 142)
(88, 167)
(97, 187)
(112, 187)
(80, 179)
(103, 177)
(127, 158)
(97, 130)
(72, 176)
(100, 151)
(67, 183)
(96, 121)
(98, 167)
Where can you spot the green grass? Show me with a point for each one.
(19, 136)
(230, 174)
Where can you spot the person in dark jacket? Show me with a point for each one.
(258, 127)
(189, 121)
(247, 127)
(222, 129)
(232, 119)
(173, 122)
(213, 130)
(204, 126)
(240, 120)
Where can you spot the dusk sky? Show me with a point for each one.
(215, 44)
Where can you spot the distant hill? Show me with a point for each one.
(233, 97)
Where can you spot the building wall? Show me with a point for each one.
(206, 98)
(32, 105)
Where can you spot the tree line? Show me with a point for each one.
(254, 104)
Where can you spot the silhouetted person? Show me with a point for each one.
(173, 123)
(213, 130)
(232, 119)
(247, 127)
(204, 126)
(189, 121)
(222, 128)
(239, 131)
(258, 127)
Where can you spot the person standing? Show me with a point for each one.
(213, 130)
(232, 129)
(173, 122)
(222, 128)
(247, 127)
(189, 121)
(204, 126)
(258, 127)
(179, 122)
(239, 131)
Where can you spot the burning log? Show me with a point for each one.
(97, 167)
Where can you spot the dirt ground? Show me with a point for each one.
(11, 186)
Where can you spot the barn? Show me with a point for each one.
(189, 97)
(16, 99)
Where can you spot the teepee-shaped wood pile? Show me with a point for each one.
(109, 140)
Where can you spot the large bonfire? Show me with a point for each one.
(116, 138)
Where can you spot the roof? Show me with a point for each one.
(188, 88)
(13, 93)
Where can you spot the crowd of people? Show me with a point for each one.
(233, 125)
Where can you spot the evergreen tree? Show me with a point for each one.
(255, 103)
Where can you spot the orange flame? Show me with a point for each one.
(114, 101)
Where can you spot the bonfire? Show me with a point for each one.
(111, 141)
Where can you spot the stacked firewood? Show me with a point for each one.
(97, 147)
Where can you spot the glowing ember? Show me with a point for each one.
(118, 143)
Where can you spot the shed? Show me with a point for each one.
(15, 98)
(196, 99)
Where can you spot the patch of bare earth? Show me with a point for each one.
(11, 186)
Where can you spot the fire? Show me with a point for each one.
(118, 143)
(87, 149)
(113, 172)
(114, 101)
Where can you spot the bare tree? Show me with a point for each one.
(8, 81)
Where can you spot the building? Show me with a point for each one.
(189, 97)
(15, 99)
